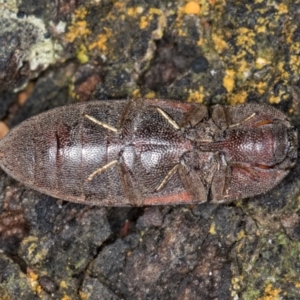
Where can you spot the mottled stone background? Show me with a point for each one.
(207, 51)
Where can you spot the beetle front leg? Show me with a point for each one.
(220, 183)
(237, 181)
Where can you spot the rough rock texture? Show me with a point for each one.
(209, 51)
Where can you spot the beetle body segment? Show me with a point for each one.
(148, 152)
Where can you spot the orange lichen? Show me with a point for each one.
(274, 99)
(282, 8)
(239, 98)
(79, 27)
(196, 96)
(134, 11)
(101, 43)
(145, 20)
(262, 87)
(192, 7)
(219, 43)
(229, 80)
(270, 293)
(245, 38)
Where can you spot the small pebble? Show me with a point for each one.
(200, 64)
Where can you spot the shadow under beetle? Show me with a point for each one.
(151, 152)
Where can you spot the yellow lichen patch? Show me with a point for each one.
(101, 43)
(282, 8)
(143, 22)
(155, 11)
(262, 87)
(78, 27)
(136, 93)
(192, 8)
(295, 63)
(270, 293)
(261, 62)
(242, 66)
(150, 95)
(219, 44)
(235, 282)
(274, 99)
(196, 96)
(245, 38)
(261, 29)
(239, 98)
(212, 228)
(33, 280)
(80, 13)
(135, 11)
(283, 73)
(229, 80)
(82, 55)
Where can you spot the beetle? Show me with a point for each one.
(151, 152)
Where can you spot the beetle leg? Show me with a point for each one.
(167, 177)
(130, 187)
(102, 169)
(254, 115)
(194, 116)
(168, 118)
(107, 126)
(193, 184)
(219, 115)
(220, 183)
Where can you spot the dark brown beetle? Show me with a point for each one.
(150, 152)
